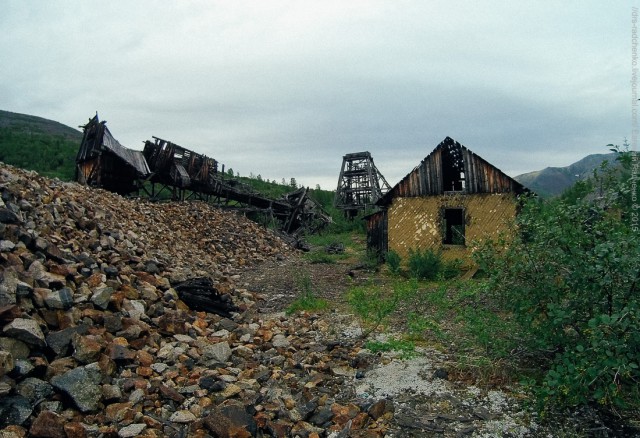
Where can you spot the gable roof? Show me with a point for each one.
(97, 139)
(452, 163)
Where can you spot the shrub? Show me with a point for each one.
(424, 264)
(393, 260)
(571, 280)
(451, 269)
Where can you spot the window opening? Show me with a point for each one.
(453, 176)
(453, 226)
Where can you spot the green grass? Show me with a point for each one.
(307, 303)
(407, 349)
(307, 299)
(457, 316)
(352, 243)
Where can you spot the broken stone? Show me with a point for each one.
(322, 416)
(6, 362)
(101, 297)
(182, 417)
(8, 287)
(220, 352)
(48, 425)
(280, 341)
(79, 385)
(231, 419)
(18, 349)
(26, 330)
(34, 389)
(87, 348)
(132, 430)
(9, 217)
(59, 299)
(7, 246)
(60, 341)
(75, 429)
(14, 410)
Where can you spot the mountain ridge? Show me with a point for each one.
(552, 181)
(10, 119)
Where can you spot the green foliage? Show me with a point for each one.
(393, 260)
(425, 264)
(451, 269)
(320, 256)
(48, 154)
(601, 366)
(307, 300)
(571, 281)
(323, 197)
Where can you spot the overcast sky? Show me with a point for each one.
(286, 88)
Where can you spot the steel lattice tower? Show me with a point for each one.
(360, 184)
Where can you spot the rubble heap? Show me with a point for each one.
(95, 339)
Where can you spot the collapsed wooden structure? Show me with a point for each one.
(166, 170)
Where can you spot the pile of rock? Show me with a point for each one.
(95, 340)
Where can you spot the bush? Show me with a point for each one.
(451, 269)
(425, 264)
(571, 280)
(393, 261)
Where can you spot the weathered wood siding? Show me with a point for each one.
(417, 223)
(377, 233)
(426, 179)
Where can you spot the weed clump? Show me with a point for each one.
(307, 300)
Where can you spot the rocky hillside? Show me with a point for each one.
(100, 335)
(552, 181)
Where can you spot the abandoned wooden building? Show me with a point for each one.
(103, 162)
(452, 199)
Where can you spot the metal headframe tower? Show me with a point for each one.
(360, 184)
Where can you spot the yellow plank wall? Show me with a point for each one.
(416, 223)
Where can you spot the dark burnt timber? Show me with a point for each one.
(165, 167)
(360, 184)
(200, 295)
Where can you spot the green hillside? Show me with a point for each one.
(38, 144)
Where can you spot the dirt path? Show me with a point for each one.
(425, 400)
(282, 281)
